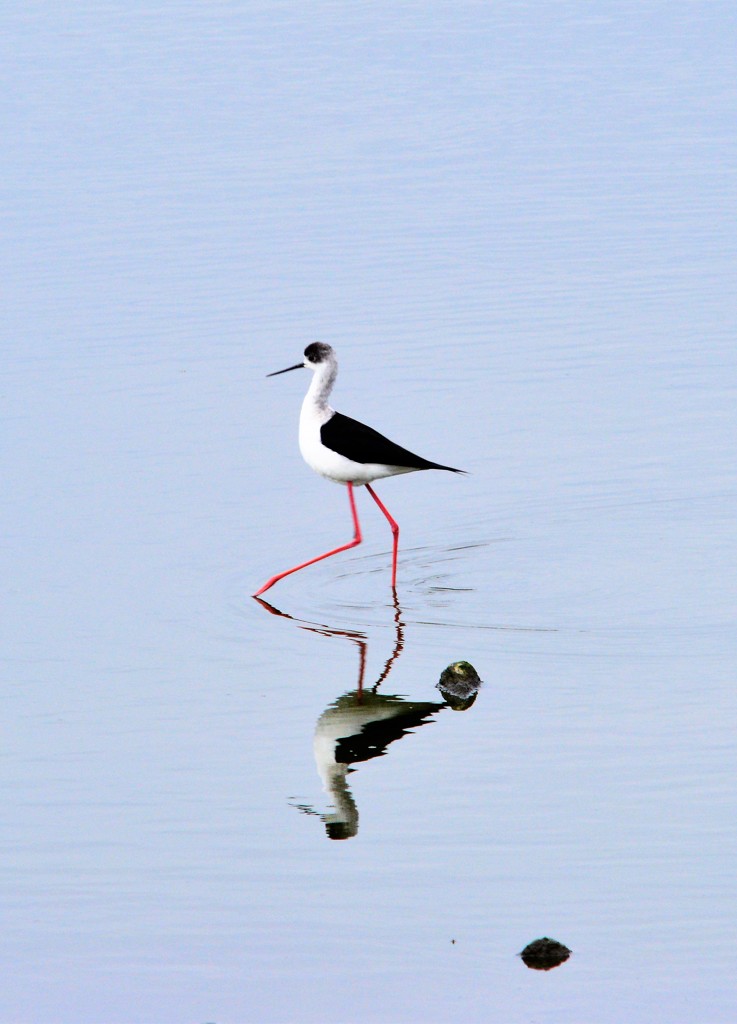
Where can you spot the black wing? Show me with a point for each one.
(356, 441)
(375, 737)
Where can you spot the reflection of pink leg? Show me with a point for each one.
(344, 547)
(395, 532)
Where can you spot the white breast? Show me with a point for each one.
(327, 462)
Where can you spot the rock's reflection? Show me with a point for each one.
(360, 724)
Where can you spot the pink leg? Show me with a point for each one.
(395, 532)
(344, 547)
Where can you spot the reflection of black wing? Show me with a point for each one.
(374, 738)
(356, 441)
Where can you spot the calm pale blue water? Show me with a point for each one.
(517, 224)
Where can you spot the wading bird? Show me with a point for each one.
(346, 451)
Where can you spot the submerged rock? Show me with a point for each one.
(459, 683)
(544, 954)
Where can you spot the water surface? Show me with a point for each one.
(516, 225)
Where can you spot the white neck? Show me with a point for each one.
(323, 379)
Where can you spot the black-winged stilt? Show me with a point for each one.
(344, 450)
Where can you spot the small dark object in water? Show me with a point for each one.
(544, 954)
(459, 683)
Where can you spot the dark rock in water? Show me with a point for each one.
(544, 954)
(459, 683)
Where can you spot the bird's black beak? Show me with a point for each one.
(299, 366)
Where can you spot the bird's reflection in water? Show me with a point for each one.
(360, 724)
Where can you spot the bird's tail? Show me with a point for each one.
(449, 469)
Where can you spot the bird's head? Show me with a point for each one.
(317, 354)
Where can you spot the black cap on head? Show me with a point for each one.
(339, 830)
(317, 352)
